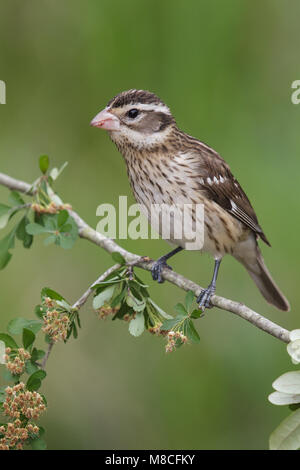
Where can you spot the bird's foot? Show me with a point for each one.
(157, 268)
(203, 300)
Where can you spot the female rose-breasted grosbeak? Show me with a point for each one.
(167, 166)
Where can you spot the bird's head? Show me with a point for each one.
(136, 117)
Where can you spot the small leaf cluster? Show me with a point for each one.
(181, 328)
(7, 212)
(44, 214)
(124, 296)
(60, 319)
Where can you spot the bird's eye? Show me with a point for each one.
(133, 113)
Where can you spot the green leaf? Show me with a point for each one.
(160, 310)
(135, 290)
(16, 325)
(37, 354)
(190, 331)
(196, 313)
(6, 244)
(189, 299)
(8, 241)
(287, 435)
(16, 199)
(75, 332)
(64, 305)
(4, 259)
(65, 228)
(44, 163)
(118, 299)
(28, 338)
(47, 292)
(169, 324)
(5, 212)
(104, 284)
(78, 319)
(22, 234)
(35, 229)
(51, 239)
(137, 325)
(40, 311)
(4, 208)
(50, 222)
(118, 258)
(9, 377)
(136, 304)
(66, 241)
(34, 384)
(104, 296)
(8, 340)
(62, 218)
(30, 367)
(2, 395)
(68, 234)
(35, 380)
(181, 310)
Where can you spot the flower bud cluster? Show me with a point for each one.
(107, 310)
(56, 325)
(15, 360)
(155, 330)
(175, 338)
(21, 406)
(50, 208)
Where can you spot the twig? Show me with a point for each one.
(80, 302)
(50, 346)
(109, 245)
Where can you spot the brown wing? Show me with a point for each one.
(222, 187)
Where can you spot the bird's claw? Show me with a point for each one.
(157, 268)
(203, 300)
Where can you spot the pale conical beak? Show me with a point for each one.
(106, 120)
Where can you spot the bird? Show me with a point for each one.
(165, 165)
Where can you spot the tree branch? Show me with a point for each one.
(109, 245)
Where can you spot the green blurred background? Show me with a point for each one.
(225, 69)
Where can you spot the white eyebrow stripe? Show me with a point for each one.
(146, 107)
(155, 107)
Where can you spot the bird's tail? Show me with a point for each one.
(262, 278)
